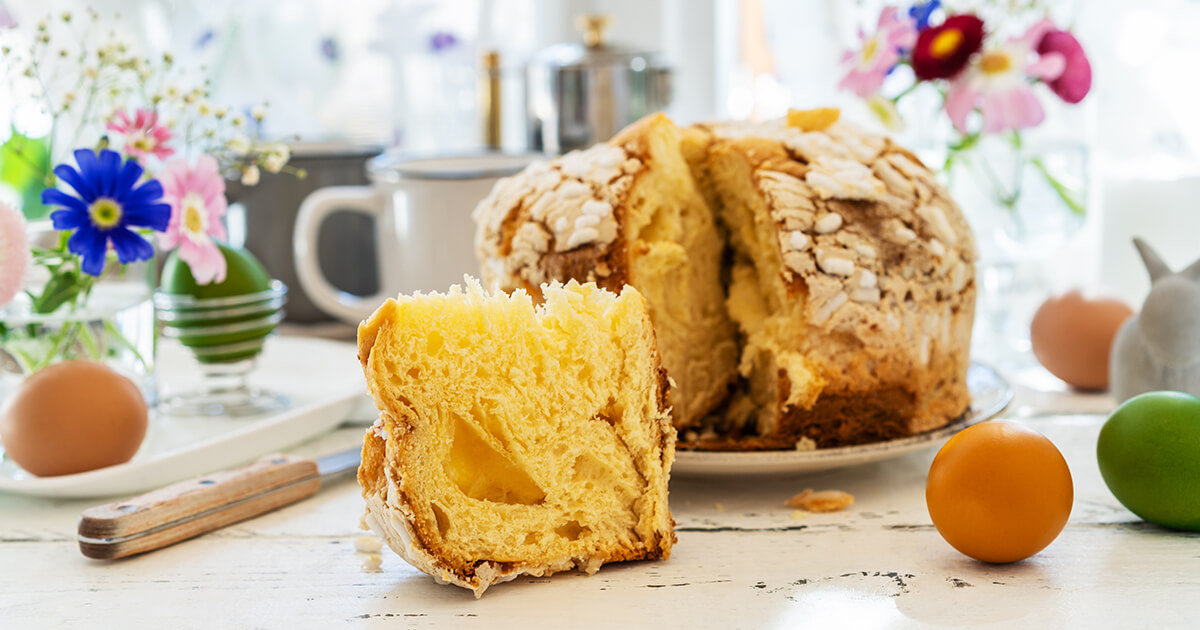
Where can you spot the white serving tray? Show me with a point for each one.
(322, 378)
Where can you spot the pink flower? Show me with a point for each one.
(143, 135)
(998, 82)
(14, 252)
(1076, 79)
(197, 198)
(869, 66)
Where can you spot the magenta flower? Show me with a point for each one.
(197, 198)
(869, 66)
(143, 135)
(998, 83)
(14, 252)
(1076, 78)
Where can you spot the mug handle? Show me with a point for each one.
(315, 208)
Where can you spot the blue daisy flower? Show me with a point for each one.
(109, 202)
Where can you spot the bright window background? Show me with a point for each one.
(405, 72)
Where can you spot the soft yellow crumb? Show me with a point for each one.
(720, 507)
(818, 119)
(372, 563)
(798, 515)
(823, 501)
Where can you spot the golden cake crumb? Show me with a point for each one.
(519, 438)
(823, 501)
(818, 119)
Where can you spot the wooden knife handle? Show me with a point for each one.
(189, 508)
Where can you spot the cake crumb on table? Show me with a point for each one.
(372, 563)
(823, 501)
(366, 543)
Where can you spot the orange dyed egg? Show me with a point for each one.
(999, 491)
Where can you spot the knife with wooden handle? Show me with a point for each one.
(189, 508)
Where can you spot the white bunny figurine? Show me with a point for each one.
(1159, 348)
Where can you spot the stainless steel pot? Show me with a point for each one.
(579, 94)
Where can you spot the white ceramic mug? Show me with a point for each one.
(423, 228)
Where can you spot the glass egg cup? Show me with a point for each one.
(224, 335)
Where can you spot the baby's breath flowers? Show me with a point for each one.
(250, 175)
(102, 96)
(275, 157)
(97, 91)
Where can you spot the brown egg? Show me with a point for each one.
(1072, 336)
(73, 417)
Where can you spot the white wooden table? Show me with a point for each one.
(744, 560)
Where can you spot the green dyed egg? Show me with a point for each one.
(244, 275)
(1149, 455)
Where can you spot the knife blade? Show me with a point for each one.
(189, 508)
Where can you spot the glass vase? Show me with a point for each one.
(1024, 204)
(110, 321)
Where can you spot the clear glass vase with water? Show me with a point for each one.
(110, 320)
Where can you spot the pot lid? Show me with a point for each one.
(394, 166)
(322, 148)
(596, 50)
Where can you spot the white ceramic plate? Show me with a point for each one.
(322, 378)
(990, 394)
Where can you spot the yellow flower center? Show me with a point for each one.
(105, 213)
(194, 219)
(870, 48)
(995, 62)
(143, 143)
(945, 43)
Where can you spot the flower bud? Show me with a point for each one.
(250, 176)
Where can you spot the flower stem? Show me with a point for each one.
(1068, 196)
(115, 332)
(905, 92)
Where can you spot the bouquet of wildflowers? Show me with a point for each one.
(146, 155)
(988, 83)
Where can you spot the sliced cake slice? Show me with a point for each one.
(513, 438)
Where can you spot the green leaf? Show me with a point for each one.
(63, 287)
(25, 166)
(965, 143)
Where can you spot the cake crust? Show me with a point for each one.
(864, 283)
(846, 269)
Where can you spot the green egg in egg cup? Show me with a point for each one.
(224, 325)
